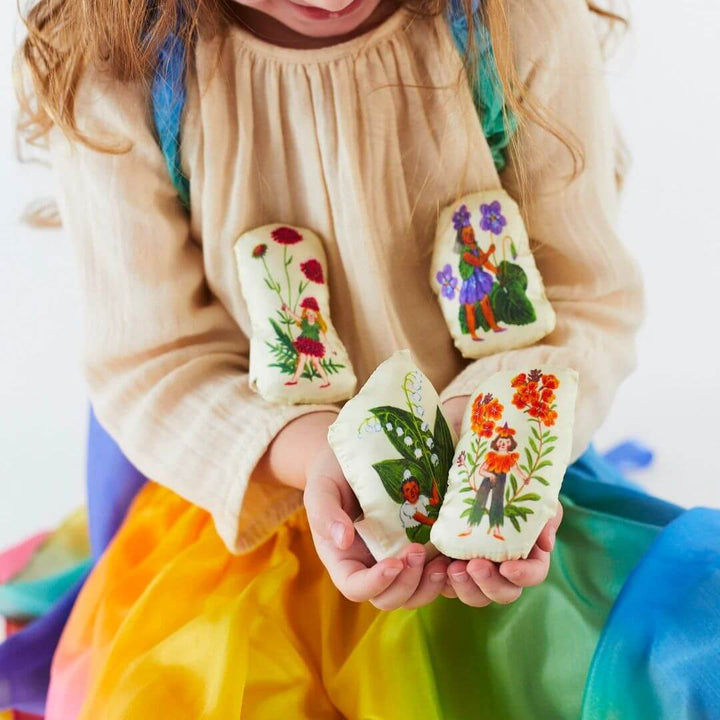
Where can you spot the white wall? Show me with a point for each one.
(666, 95)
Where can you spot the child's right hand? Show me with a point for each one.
(389, 584)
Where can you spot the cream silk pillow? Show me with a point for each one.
(485, 277)
(296, 355)
(395, 448)
(509, 465)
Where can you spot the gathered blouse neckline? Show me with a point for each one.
(394, 24)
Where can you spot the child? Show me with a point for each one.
(221, 596)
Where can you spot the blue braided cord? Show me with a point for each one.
(498, 124)
(168, 101)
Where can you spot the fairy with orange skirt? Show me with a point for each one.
(312, 342)
(499, 462)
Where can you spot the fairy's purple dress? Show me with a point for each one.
(477, 283)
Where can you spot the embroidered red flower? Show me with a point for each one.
(259, 250)
(313, 271)
(550, 381)
(286, 236)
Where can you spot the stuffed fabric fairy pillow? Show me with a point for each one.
(296, 355)
(395, 448)
(485, 277)
(509, 465)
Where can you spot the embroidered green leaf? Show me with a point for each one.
(532, 445)
(515, 523)
(535, 432)
(513, 482)
(541, 480)
(508, 298)
(528, 457)
(544, 463)
(399, 427)
(528, 497)
(444, 449)
(419, 534)
(547, 451)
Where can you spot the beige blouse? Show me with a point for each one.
(364, 142)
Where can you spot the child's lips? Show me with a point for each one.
(317, 13)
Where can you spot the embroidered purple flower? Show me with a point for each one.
(492, 218)
(461, 218)
(448, 282)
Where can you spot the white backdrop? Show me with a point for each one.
(667, 99)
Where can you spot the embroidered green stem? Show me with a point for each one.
(533, 469)
(418, 430)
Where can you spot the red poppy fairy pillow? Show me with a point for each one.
(296, 355)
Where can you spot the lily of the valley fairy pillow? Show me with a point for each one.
(485, 277)
(395, 448)
(295, 354)
(509, 465)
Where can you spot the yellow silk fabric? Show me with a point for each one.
(171, 625)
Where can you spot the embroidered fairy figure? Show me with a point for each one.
(415, 509)
(312, 342)
(499, 461)
(475, 271)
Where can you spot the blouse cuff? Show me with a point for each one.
(255, 506)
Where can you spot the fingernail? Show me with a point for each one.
(437, 577)
(460, 577)
(391, 572)
(552, 538)
(415, 559)
(338, 533)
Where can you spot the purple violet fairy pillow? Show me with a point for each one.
(485, 277)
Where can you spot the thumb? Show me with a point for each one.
(324, 507)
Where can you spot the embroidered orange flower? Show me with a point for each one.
(549, 418)
(534, 394)
(486, 410)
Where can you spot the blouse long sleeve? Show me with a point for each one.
(165, 363)
(592, 283)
